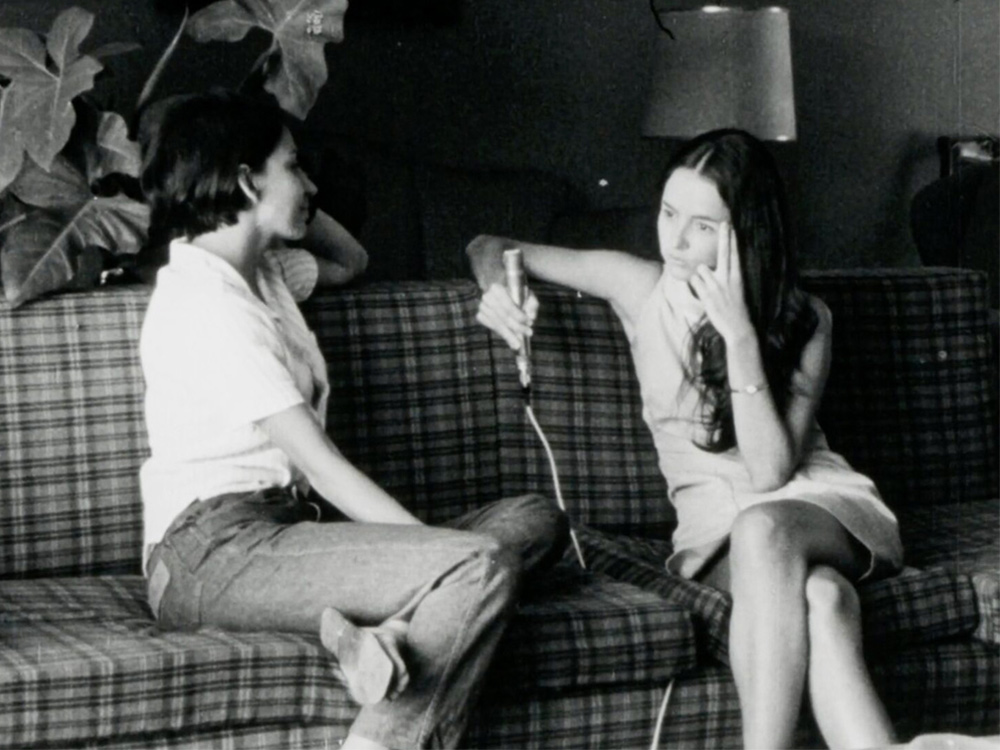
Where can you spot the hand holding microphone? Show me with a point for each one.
(517, 288)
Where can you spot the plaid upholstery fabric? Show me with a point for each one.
(638, 563)
(947, 687)
(276, 737)
(960, 538)
(576, 629)
(81, 659)
(926, 690)
(72, 436)
(910, 400)
(412, 399)
(586, 399)
(953, 687)
(915, 607)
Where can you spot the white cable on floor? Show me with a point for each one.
(555, 480)
(655, 744)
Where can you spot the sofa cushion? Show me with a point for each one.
(72, 435)
(917, 606)
(576, 629)
(81, 659)
(960, 539)
(910, 400)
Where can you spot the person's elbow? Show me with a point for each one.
(771, 475)
(342, 271)
(355, 264)
(362, 262)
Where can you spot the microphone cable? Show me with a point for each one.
(513, 263)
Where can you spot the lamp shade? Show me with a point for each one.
(724, 68)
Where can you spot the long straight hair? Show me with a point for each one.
(748, 181)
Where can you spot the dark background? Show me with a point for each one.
(559, 85)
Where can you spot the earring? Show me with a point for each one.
(314, 23)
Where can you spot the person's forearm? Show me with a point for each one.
(543, 262)
(297, 432)
(357, 496)
(763, 438)
(341, 256)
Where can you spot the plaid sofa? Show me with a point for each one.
(427, 402)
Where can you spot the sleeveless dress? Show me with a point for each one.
(708, 489)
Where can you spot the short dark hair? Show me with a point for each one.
(192, 148)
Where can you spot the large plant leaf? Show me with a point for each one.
(297, 68)
(40, 95)
(100, 143)
(67, 34)
(11, 141)
(62, 186)
(54, 243)
(48, 249)
(114, 48)
(20, 49)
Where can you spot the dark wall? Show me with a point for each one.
(560, 86)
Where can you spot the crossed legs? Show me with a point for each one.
(435, 601)
(796, 625)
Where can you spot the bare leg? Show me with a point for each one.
(772, 547)
(845, 704)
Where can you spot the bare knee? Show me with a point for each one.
(765, 535)
(832, 600)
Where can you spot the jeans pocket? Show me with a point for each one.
(156, 584)
(174, 592)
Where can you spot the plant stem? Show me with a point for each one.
(13, 222)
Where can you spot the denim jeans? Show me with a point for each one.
(257, 562)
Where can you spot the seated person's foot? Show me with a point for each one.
(366, 662)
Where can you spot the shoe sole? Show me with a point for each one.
(366, 666)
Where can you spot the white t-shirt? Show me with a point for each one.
(216, 359)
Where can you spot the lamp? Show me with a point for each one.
(723, 68)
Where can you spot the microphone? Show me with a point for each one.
(513, 266)
(517, 288)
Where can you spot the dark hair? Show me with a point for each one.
(749, 183)
(192, 149)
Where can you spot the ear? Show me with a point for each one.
(247, 184)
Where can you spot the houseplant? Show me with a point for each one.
(70, 206)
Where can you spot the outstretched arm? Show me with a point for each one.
(335, 478)
(623, 280)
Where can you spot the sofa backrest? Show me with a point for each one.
(72, 435)
(412, 399)
(912, 395)
(427, 402)
(585, 397)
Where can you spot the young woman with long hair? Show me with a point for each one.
(732, 358)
